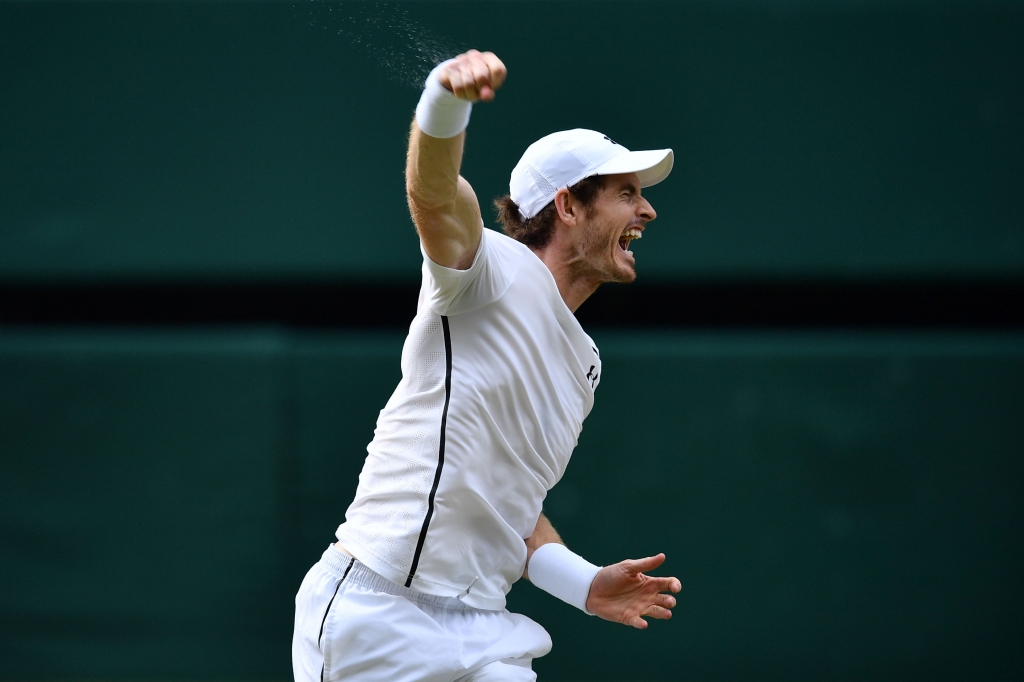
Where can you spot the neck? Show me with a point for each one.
(574, 286)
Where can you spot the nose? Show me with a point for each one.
(645, 210)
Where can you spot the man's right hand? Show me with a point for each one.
(473, 76)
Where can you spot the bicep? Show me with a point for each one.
(451, 233)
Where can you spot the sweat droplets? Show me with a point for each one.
(406, 50)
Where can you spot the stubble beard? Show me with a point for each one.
(593, 261)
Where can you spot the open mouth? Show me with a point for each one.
(627, 236)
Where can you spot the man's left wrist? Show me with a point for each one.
(558, 571)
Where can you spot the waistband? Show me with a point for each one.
(352, 570)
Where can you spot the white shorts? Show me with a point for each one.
(352, 624)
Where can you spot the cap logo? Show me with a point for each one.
(610, 140)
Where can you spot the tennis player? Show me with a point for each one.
(497, 378)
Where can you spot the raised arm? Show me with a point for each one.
(443, 205)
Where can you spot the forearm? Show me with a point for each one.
(432, 171)
(543, 533)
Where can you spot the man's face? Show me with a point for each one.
(618, 216)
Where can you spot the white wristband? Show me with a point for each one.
(556, 570)
(440, 113)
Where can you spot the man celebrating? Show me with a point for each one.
(497, 378)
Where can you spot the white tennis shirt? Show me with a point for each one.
(497, 378)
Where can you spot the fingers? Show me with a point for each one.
(474, 76)
(659, 609)
(666, 601)
(481, 79)
(634, 566)
(496, 68)
(658, 612)
(638, 622)
(466, 86)
(666, 584)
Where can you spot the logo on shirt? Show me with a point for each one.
(594, 372)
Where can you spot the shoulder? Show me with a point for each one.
(497, 263)
(502, 242)
(507, 253)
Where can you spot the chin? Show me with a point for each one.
(627, 272)
(622, 275)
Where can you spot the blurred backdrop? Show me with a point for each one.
(813, 399)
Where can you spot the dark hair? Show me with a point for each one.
(536, 232)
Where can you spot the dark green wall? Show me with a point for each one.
(841, 505)
(141, 495)
(836, 506)
(237, 140)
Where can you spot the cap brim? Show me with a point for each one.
(651, 166)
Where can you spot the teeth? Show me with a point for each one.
(632, 233)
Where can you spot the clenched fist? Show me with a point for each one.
(473, 76)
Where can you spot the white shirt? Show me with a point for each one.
(497, 378)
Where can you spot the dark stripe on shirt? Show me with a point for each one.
(440, 449)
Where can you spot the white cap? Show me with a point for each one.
(562, 159)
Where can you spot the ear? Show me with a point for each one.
(567, 206)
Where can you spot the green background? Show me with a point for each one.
(220, 140)
(836, 506)
(842, 505)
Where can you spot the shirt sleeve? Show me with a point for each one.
(446, 291)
